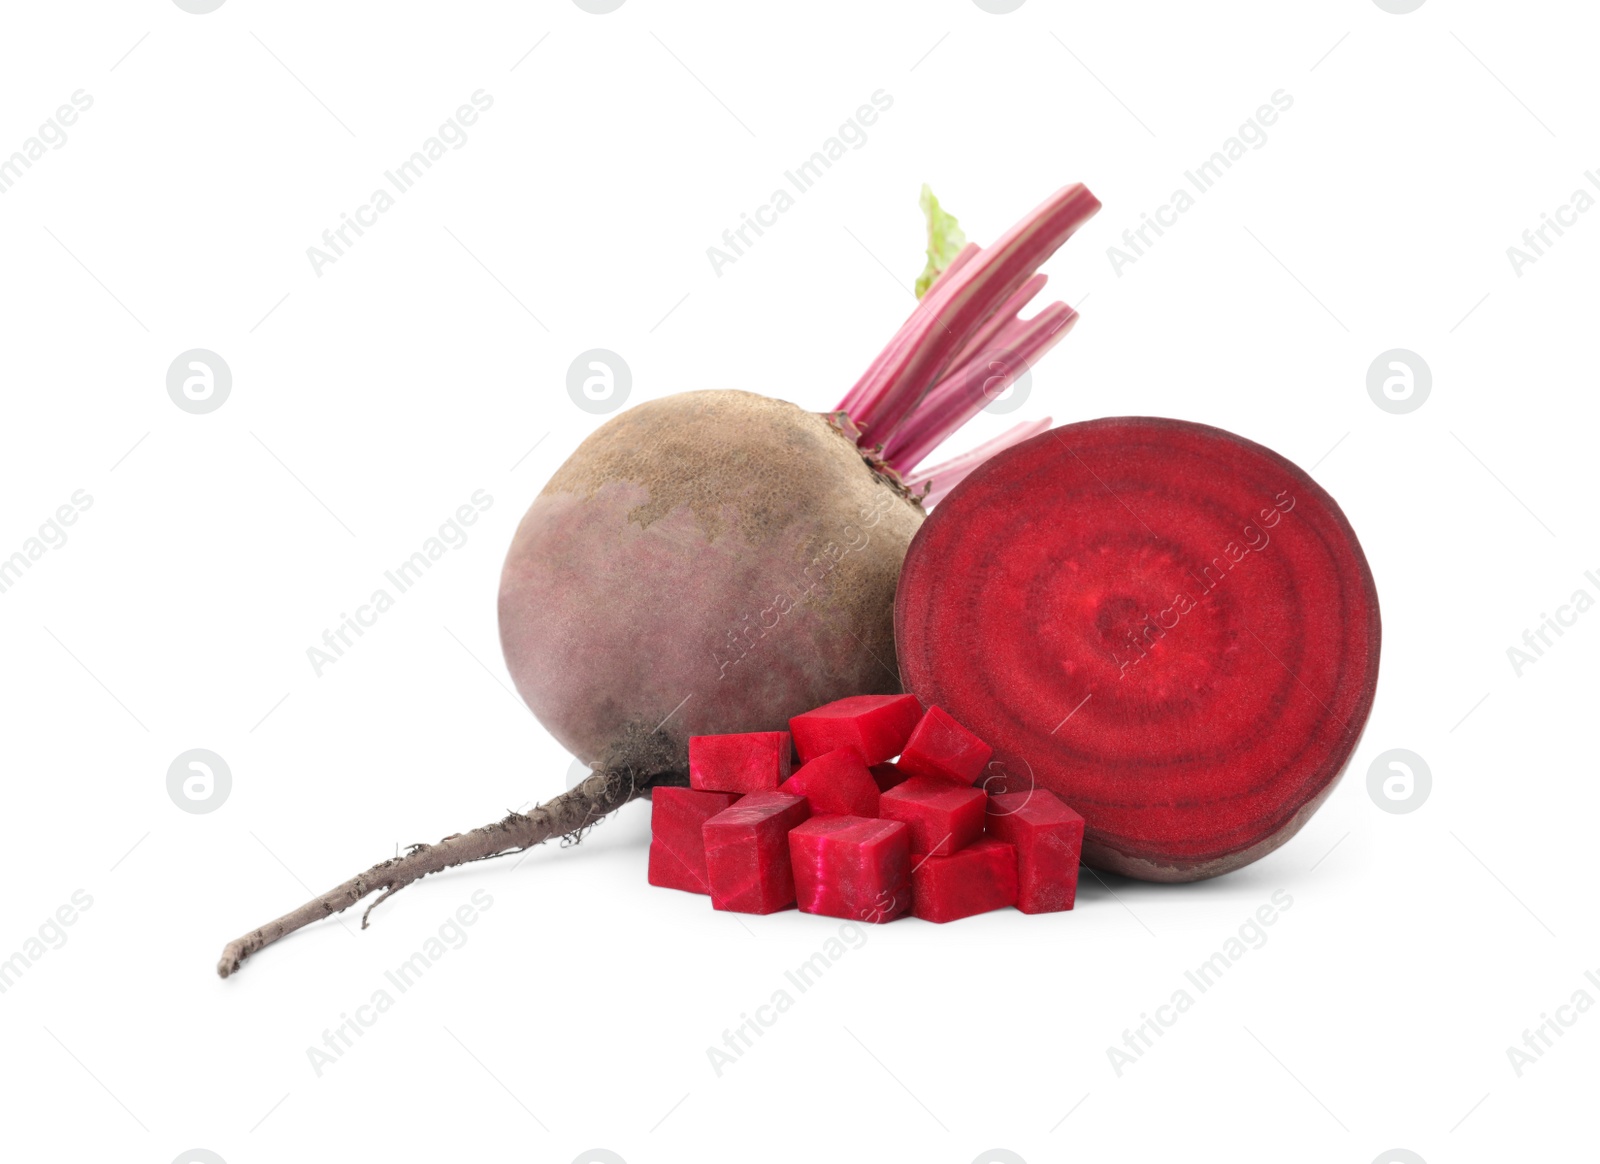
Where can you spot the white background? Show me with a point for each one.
(424, 365)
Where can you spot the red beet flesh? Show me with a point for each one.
(875, 726)
(836, 782)
(941, 747)
(677, 848)
(1048, 838)
(747, 852)
(887, 775)
(976, 879)
(739, 762)
(1170, 626)
(847, 866)
(942, 816)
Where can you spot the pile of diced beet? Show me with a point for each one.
(881, 818)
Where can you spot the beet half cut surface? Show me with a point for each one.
(1171, 627)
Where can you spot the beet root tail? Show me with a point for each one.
(568, 815)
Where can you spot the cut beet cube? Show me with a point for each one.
(743, 762)
(888, 775)
(747, 852)
(848, 866)
(876, 726)
(941, 747)
(837, 782)
(1048, 837)
(942, 816)
(981, 877)
(677, 850)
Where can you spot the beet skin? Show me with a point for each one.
(705, 563)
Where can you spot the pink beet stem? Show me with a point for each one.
(1003, 343)
(957, 400)
(964, 256)
(1005, 314)
(956, 307)
(852, 401)
(946, 475)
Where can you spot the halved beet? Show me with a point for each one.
(1169, 626)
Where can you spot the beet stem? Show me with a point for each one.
(1004, 316)
(567, 815)
(956, 307)
(855, 398)
(957, 399)
(946, 475)
(964, 256)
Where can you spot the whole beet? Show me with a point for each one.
(719, 561)
(708, 562)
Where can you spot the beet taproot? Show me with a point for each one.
(1170, 626)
